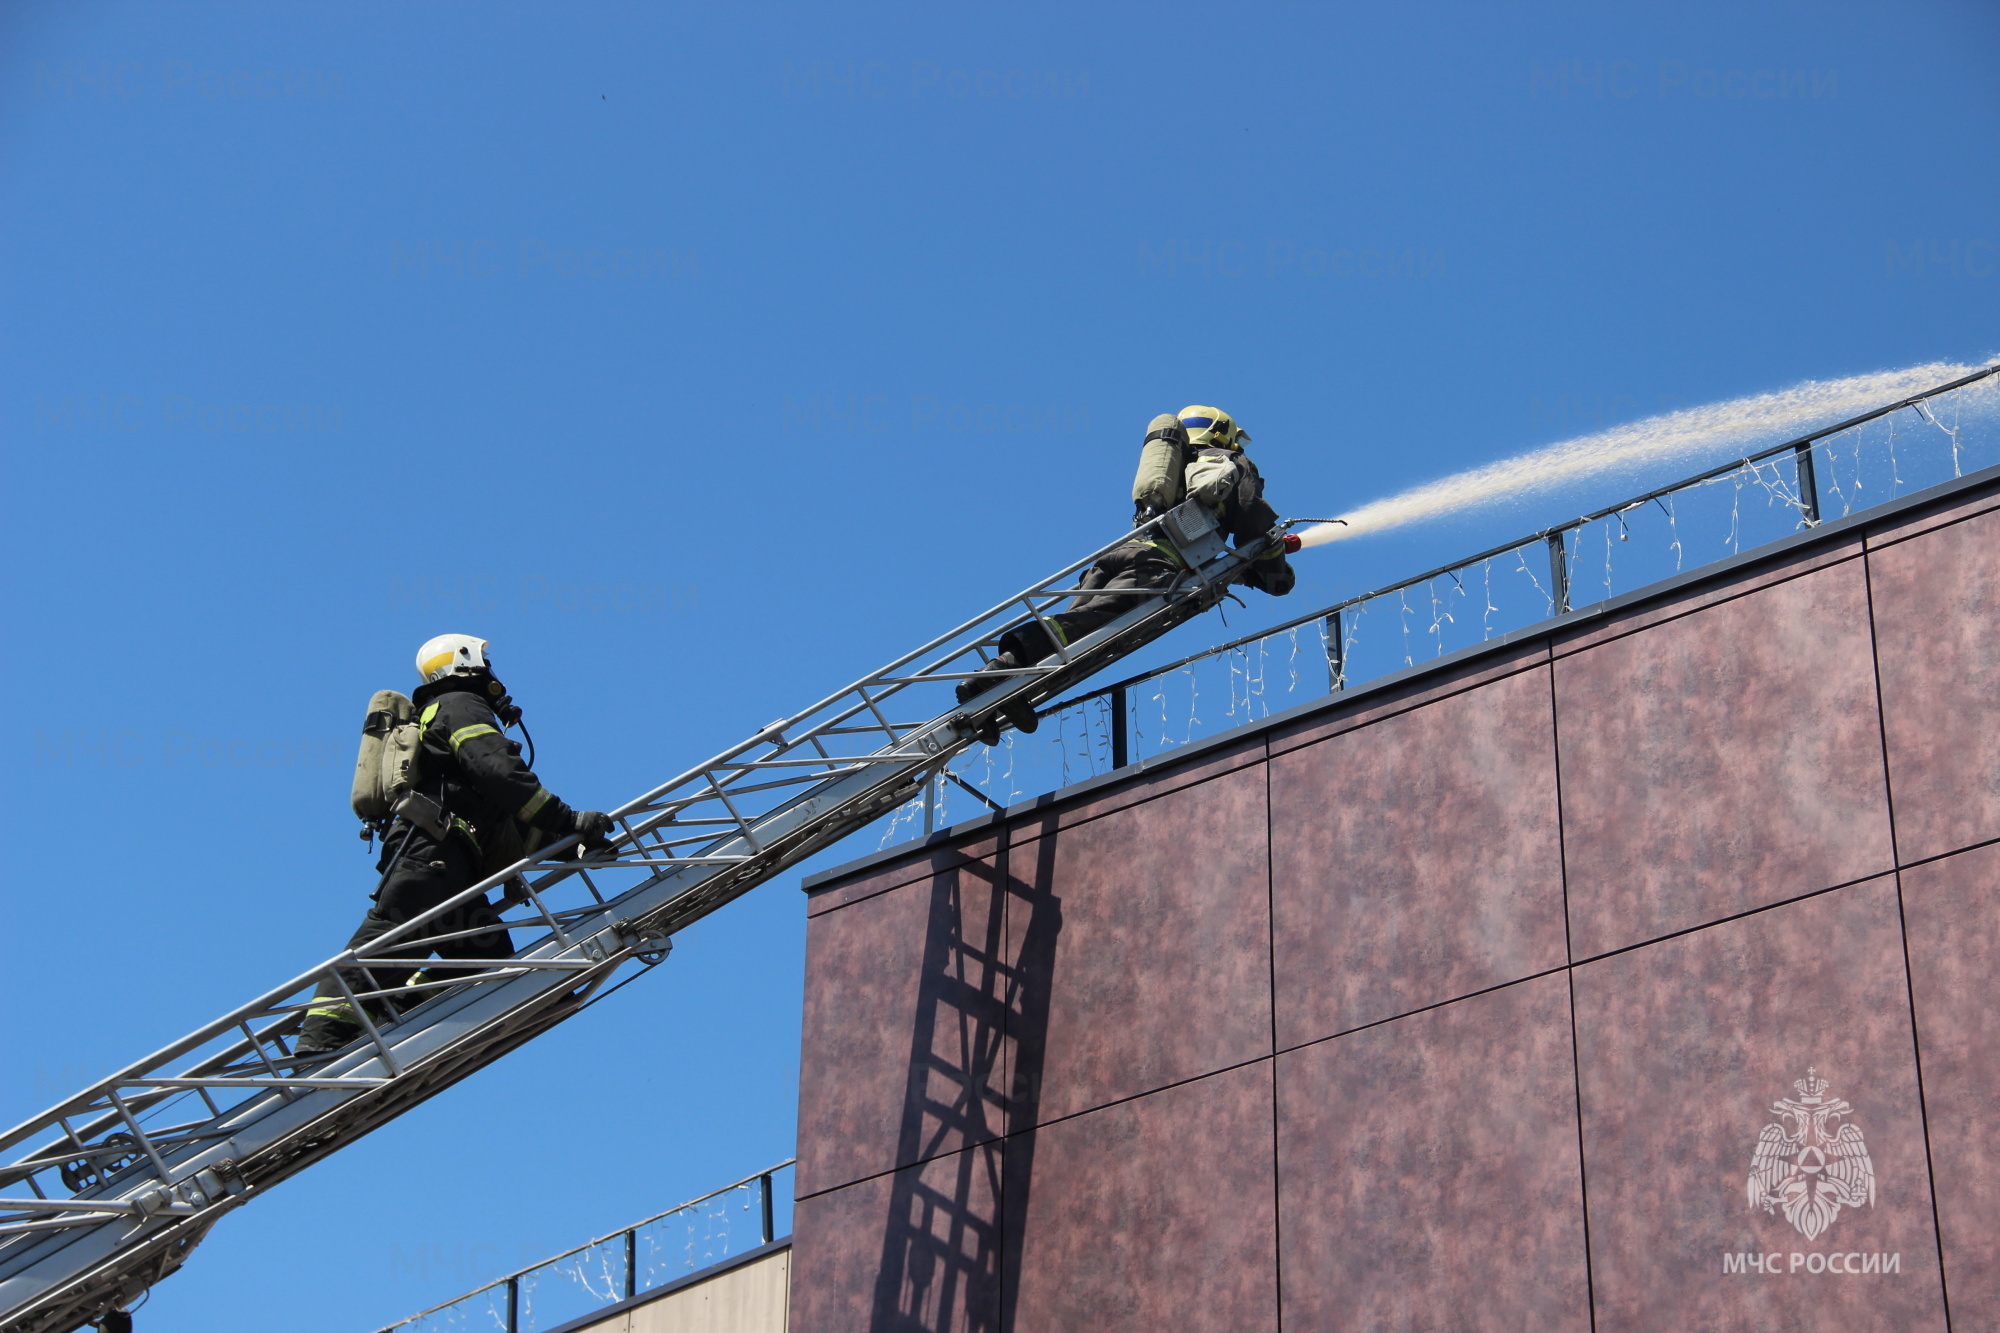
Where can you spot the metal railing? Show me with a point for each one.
(1771, 493)
(654, 1251)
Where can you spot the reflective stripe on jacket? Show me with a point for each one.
(477, 772)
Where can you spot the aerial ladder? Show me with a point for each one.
(109, 1190)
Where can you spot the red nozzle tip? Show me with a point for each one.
(1292, 543)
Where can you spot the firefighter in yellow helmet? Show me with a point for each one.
(1195, 454)
(480, 802)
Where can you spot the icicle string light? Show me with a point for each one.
(1689, 435)
(1710, 516)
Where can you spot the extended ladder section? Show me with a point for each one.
(109, 1190)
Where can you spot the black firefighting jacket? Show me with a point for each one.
(1246, 515)
(473, 769)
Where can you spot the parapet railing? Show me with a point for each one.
(652, 1252)
(1837, 470)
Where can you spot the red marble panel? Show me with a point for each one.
(1685, 1049)
(1416, 860)
(1722, 761)
(926, 864)
(1149, 780)
(1952, 911)
(1933, 516)
(1157, 1213)
(1143, 942)
(902, 1056)
(918, 1249)
(1374, 705)
(1428, 1174)
(1937, 600)
(1588, 631)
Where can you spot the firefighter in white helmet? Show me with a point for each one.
(483, 807)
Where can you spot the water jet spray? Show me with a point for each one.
(1670, 437)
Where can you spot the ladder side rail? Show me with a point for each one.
(540, 860)
(82, 1101)
(369, 1058)
(717, 901)
(71, 1146)
(1003, 606)
(1093, 646)
(659, 809)
(940, 641)
(931, 762)
(923, 751)
(774, 732)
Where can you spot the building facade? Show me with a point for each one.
(1637, 965)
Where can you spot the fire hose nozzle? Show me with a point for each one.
(1293, 542)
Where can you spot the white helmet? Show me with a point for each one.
(451, 655)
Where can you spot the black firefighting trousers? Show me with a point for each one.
(1135, 565)
(423, 874)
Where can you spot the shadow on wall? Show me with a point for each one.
(943, 1266)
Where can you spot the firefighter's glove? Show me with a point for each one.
(1272, 574)
(593, 827)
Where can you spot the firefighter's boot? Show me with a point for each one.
(1021, 712)
(988, 730)
(972, 684)
(326, 1030)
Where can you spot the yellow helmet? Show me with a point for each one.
(451, 655)
(1212, 428)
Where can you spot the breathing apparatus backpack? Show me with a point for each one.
(1163, 459)
(390, 764)
(388, 769)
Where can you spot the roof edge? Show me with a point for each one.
(666, 1289)
(1828, 532)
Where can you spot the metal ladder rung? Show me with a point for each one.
(785, 793)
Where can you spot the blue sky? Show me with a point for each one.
(701, 358)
